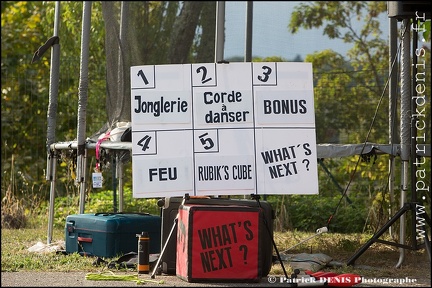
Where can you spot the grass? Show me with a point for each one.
(377, 261)
(16, 257)
(380, 258)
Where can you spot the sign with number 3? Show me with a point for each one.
(223, 129)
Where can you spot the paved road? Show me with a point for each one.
(78, 279)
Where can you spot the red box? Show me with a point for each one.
(218, 243)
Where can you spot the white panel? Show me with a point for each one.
(223, 129)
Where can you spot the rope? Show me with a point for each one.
(318, 232)
(99, 142)
(367, 137)
(110, 276)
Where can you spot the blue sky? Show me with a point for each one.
(270, 31)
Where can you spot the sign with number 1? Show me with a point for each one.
(223, 129)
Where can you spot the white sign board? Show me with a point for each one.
(223, 129)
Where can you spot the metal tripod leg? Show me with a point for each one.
(173, 228)
(257, 197)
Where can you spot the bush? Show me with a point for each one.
(99, 202)
(310, 212)
(12, 211)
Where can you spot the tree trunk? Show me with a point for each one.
(206, 46)
(184, 32)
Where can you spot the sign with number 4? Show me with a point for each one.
(223, 129)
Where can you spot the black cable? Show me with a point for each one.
(257, 197)
(368, 134)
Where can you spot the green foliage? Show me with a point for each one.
(348, 92)
(351, 105)
(310, 212)
(25, 86)
(97, 202)
(26, 26)
(20, 30)
(269, 59)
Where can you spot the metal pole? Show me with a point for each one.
(120, 184)
(51, 119)
(114, 180)
(52, 162)
(249, 24)
(82, 103)
(393, 67)
(124, 18)
(405, 119)
(220, 31)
